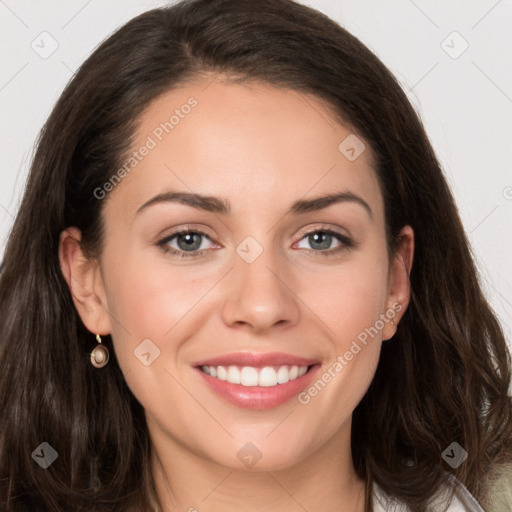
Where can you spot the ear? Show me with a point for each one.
(85, 282)
(398, 280)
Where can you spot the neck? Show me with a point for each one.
(324, 480)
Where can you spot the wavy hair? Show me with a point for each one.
(445, 376)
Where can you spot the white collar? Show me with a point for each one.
(462, 501)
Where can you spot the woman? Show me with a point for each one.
(238, 281)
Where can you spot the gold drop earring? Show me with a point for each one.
(100, 355)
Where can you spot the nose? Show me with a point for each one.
(260, 295)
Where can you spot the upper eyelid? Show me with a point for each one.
(323, 228)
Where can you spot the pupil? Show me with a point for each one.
(316, 237)
(189, 241)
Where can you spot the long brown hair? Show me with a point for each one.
(443, 378)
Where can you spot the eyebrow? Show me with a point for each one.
(217, 205)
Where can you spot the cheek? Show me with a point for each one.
(150, 299)
(149, 296)
(352, 304)
(150, 304)
(348, 297)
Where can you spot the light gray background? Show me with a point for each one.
(464, 100)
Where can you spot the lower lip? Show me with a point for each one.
(258, 397)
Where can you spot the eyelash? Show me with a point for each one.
(346, 243)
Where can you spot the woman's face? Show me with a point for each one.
(270, 281)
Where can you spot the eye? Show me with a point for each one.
(185, 243)
(321, 241)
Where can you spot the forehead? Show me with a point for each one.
(248, 142)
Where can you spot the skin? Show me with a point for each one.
(261, 149)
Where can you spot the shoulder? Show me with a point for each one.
(454, 498)
(500, 495)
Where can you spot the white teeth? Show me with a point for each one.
(222, 374)
(250, 376)
(283, 375)
(267, 377)
(233, 375)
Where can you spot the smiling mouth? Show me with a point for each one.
(267, 376)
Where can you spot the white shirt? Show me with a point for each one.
(462, 501)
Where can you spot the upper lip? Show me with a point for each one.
(257, 360)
